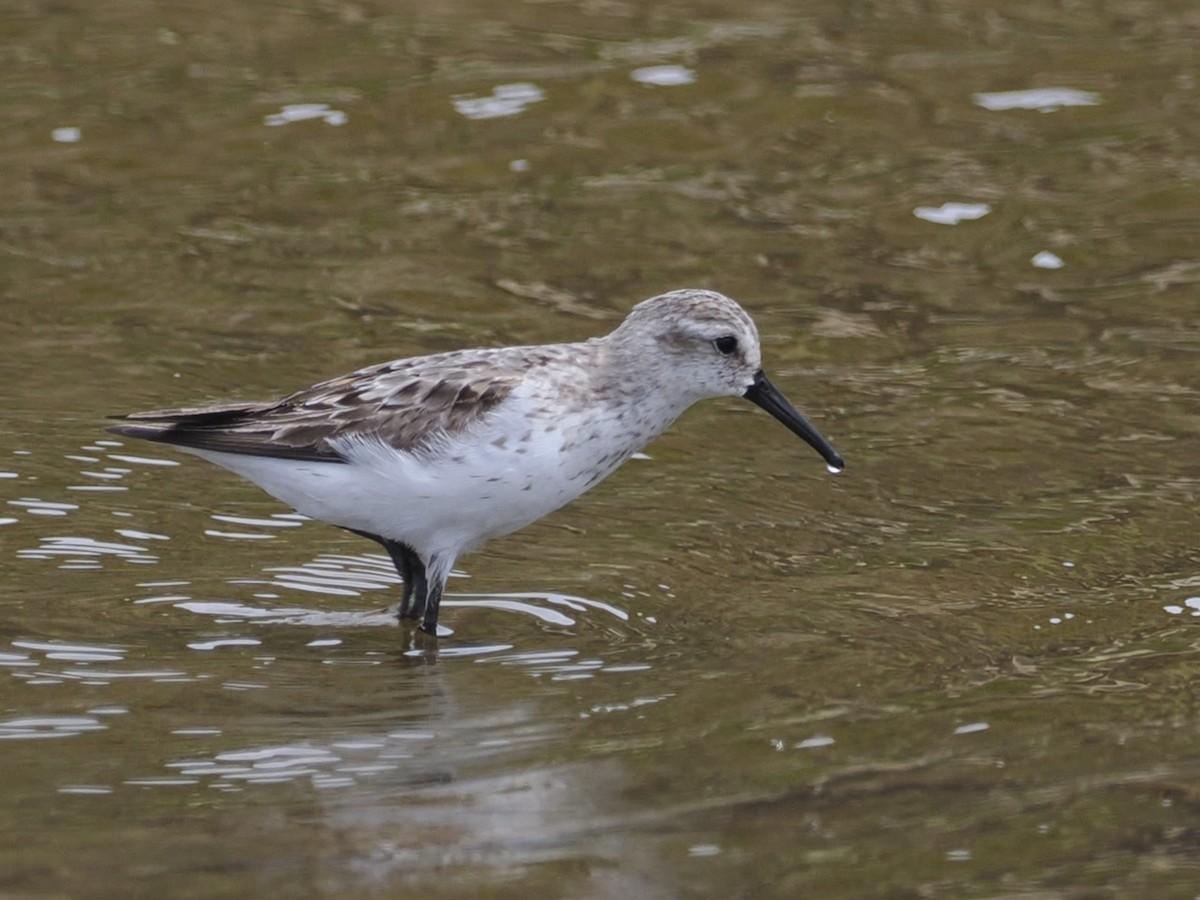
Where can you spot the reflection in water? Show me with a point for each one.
(415, 754)
(445, 783)
(471, 833)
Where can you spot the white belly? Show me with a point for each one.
(490, 481)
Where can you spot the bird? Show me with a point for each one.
(430, 456)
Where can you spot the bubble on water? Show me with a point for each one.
(834, 470)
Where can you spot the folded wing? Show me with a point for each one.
(406, 404)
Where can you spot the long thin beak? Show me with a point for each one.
(766, 395)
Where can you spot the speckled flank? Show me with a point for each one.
(432, 455)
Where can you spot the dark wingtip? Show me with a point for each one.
(143, 432)
(216, 440)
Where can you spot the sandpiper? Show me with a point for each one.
(433, 455)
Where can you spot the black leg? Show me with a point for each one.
(436, 573)
(411, 570)
(401, 561)
(429, 622)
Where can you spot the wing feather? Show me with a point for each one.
(405, 403)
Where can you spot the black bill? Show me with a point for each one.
(766, 395)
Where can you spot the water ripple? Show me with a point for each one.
(344, 575)
(279, 521)
(338, 765)
(83, 552)
(39, 664)
(73, 652)
(560, 665)
(37, 727)
(37, 507)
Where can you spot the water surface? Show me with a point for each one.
(962, 668)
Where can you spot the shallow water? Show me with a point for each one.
(964, 667)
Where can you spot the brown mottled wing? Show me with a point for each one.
(406, 403)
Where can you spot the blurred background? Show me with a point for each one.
(964, 668)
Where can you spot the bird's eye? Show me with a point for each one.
(726, 345)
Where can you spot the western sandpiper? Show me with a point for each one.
(433, 455)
